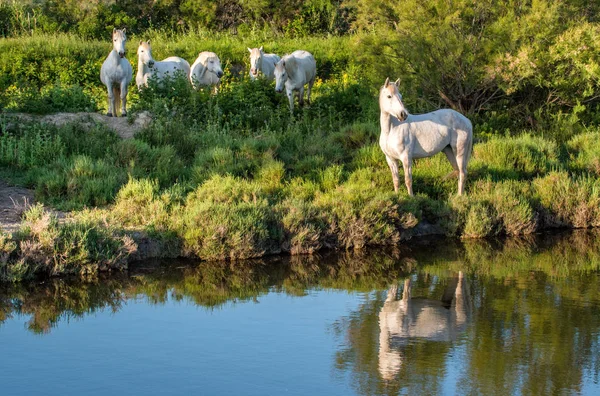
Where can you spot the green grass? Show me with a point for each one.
(232, 175)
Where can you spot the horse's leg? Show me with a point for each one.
(452, 159)
(310, 84)
(111, 102)
(393, 164)
(392, 292)
(461, 160)
(301, 96)
(406, 292)
(123, 98)
(290, 95)
(407, 164)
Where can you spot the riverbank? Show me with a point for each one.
(517, 186)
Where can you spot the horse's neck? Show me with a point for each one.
(292, 71)
(386, 123)
(142, 67)
(114, 57)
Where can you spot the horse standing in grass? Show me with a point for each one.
(206, 70)
(116, 74)
(261, 62)
(406, 136)
(294, 71)
(148, 67)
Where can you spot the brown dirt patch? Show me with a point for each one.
(13, 200)
(122, 125)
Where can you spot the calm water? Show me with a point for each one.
(511, 317)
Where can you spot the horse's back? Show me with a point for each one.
(306, 63)
(173, 64)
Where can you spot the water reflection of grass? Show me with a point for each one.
(564, 261)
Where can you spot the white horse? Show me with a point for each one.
(412, 318)
(148, 67)
(206, 70)
(261, 62)
(295, 71)
(406, 136)
(116, 74)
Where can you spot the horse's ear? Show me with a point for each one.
(148, 42)
(141, 42)
(124, 30)
(249, 50)
(261, 48)
(387, 82)
(397, 83)
(283, 63)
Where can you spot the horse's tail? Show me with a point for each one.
(117, 95)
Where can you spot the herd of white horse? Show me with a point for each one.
(403, 138)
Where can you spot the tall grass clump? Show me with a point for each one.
(515, 157)
(227, 217)
(44, 247)
(584, 152)
(502, 208)
(569, 201)
(78, 182)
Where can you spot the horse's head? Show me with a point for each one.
(390, 100)
(119, 37)
(256, 56)
(145, 53)
(281, 75)
(213, 65)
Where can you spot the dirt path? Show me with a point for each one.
(13, 200)
(121, 125)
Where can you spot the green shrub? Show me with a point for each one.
(515, 157)
(44, 246)
(80, 182)
(584, 152)
(572, 201)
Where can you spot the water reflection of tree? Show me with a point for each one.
(208, 285)
(57, 300)
(535, 329)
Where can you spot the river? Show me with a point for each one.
(515, 316)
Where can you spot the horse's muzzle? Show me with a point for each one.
(122, 54)
(151, 63)
(279, 90)
(403, 116)
(219, 74)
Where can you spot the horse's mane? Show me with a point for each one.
(290, 62)
(206, 56)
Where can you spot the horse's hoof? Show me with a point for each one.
(123, 114)
(109, 114)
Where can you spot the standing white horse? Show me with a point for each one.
(295, 71)
(261, 62)
(148, 67)
(406, 136)
(116, 74)
(206, 70)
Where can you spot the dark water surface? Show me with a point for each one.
(510, 317)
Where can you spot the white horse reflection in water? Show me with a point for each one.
(434, 320)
